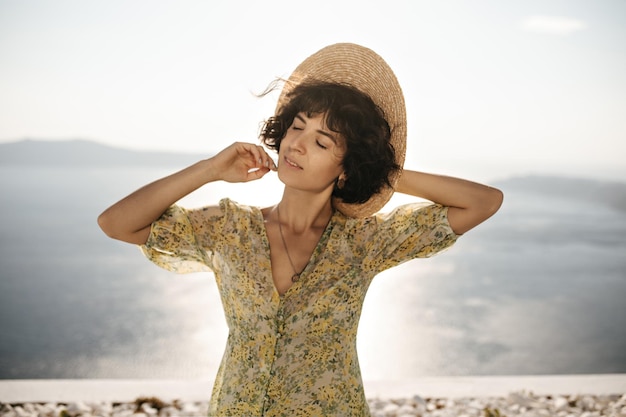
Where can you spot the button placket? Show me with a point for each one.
(280, 327)
(280, 320)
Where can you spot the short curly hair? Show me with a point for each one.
(369, 161)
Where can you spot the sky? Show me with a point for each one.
(493, 88)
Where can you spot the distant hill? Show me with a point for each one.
(82, 153)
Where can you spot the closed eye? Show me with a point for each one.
(299, 123)
(321, 145)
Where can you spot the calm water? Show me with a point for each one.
(538, 289)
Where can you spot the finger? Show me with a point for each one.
(255, 174)
(268, 162)
(258, 157)
(253, 153)
(264, 159)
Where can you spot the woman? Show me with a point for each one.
(293, 277)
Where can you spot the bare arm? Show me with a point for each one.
(130, 219)
(469, 203)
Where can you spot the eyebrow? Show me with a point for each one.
(320, 131)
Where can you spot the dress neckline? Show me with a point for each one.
(319, 247)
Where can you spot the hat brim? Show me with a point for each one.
(363, 69)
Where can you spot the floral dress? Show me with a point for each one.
(295, 354)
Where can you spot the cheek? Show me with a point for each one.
(338, 157)
(328, 167)
(335, 169)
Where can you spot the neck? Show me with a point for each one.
(300, 213)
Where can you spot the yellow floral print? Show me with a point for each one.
(295, 354)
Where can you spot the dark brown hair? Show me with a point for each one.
(369, 160)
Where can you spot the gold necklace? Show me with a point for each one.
(296, 274)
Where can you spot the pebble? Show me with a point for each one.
(523, 404)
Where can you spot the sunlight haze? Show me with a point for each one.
(492, 88)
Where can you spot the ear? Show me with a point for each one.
(341, 180)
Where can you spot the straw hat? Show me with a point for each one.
(363, 69)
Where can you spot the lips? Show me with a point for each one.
(291, 163)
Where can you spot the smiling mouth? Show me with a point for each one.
(291, 163)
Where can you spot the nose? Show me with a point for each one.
(298, 142)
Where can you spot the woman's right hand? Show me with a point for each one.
(242, 162)
(130, 218)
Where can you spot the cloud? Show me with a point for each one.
(553, 25)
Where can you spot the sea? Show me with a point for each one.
(538, 289)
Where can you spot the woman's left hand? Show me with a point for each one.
(469, 203)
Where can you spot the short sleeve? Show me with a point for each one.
(181, 239)
(410, 231)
